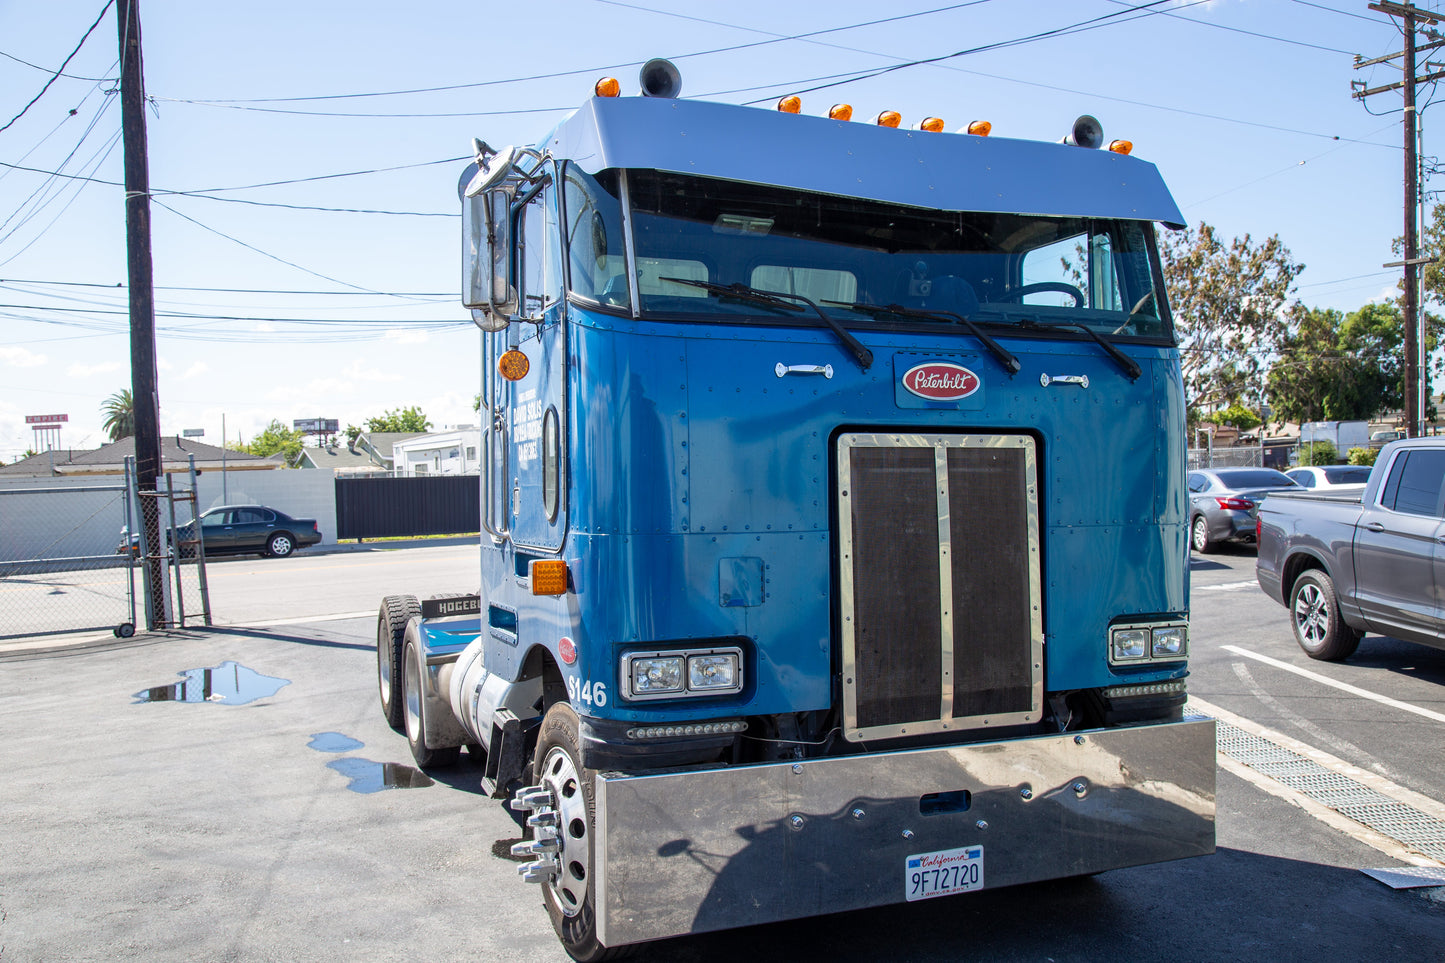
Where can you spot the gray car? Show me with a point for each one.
(1223, 503)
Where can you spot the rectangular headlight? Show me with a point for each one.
(1171, 642)
(1129, 644)
(655, 675)
(713, 673)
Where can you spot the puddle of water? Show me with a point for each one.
(333, 742)
(368, 777)
(502, 849)
(228, 683)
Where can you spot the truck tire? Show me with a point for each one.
(1315, 614)
(413, 672)
(396, 611)
(1199, 536)
(569, 898)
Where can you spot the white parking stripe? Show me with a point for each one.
(1342, 686)
(1226, 586)
(301, 621)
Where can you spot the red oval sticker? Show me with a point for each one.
(566, 650)
(941, 381)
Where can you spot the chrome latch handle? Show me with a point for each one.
(780, 369)
(1081, 380)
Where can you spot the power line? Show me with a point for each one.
(162, 287)
(62, 67)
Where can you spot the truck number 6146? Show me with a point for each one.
(589, 693)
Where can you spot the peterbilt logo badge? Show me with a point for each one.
(940, 381)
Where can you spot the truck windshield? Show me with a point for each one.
(849, 255)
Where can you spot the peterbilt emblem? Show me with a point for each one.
(941, 381)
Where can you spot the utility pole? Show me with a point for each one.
(1411, 16)
(144, 396)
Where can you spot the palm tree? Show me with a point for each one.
(119, 411)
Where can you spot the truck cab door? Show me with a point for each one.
(1399, 560)
(536, 412)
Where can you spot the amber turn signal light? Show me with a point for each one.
(1121, 146)
(513, 365)
(932, 124)
(841, 112)
(980, 128)
(791, 104)
(608, 87)
(548, 576)
(889, 118)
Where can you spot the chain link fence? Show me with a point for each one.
(72, 559)
(60, 570)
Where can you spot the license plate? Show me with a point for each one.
(943, 873)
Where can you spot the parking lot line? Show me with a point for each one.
(1342, 686)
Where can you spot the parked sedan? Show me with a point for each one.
(239, 530)
(1337, 479)
(1223, 503)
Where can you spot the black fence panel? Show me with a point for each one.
(385, 507)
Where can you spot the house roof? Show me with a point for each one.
(337, 456)
(110, 459)
(383, 440)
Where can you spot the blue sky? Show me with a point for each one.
(1244, 105)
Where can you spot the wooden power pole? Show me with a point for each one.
(1414, 403)
(144, 397)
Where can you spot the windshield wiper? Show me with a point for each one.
(1130, 366)
(778, 299)
(1003, 355)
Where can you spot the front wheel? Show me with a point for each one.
(1315, 614)
(568, 891)
(1199, 536)
(280, 545)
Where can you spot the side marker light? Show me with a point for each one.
(889, 118)
(1121, 146)
(931, 124)
(979, 128)
(513, 365)
(608, 87)
(791, 104)
(841, 112)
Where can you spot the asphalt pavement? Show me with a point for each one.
(233, 793)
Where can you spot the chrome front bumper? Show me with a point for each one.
(690, 852)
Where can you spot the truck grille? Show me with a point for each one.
(939, 594)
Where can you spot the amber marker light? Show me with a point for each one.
(841, 112)
(548, 576)
(513, 365)
(979, 128)
(791, 104)
(931, 124)
(1121, 146)
(889, 118)
(608, 87)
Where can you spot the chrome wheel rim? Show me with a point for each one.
(281, 545)
(1201, 533)
(383, 662)
(569, 885)
(1311, 615)
(413, 704)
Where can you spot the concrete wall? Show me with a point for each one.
(75, 522)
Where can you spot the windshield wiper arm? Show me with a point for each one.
(1130, 366)
(1003, 355)
(779, 299)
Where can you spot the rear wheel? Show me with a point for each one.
(280, 545)
(396, 611)
(1315, 615)
(1199, 536)
(427, 757)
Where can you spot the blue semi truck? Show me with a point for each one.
(835, 533)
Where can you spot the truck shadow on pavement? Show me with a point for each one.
(1232, 905)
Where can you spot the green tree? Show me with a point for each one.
(1228, 305)
(119, 411)
(400, 419)
(1236, 415)
(1336, 367)
(1363, 456)
(277, 437)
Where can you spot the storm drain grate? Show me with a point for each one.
(1418, 831)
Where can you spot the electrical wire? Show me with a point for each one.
(65, 64)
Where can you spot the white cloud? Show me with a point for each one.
(407, 336)
(196, 370)
(88, 370)
(21, 358)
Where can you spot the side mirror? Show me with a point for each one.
(487, 242)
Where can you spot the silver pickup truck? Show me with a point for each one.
(1346, 565)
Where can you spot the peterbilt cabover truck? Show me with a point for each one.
(835, 533)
